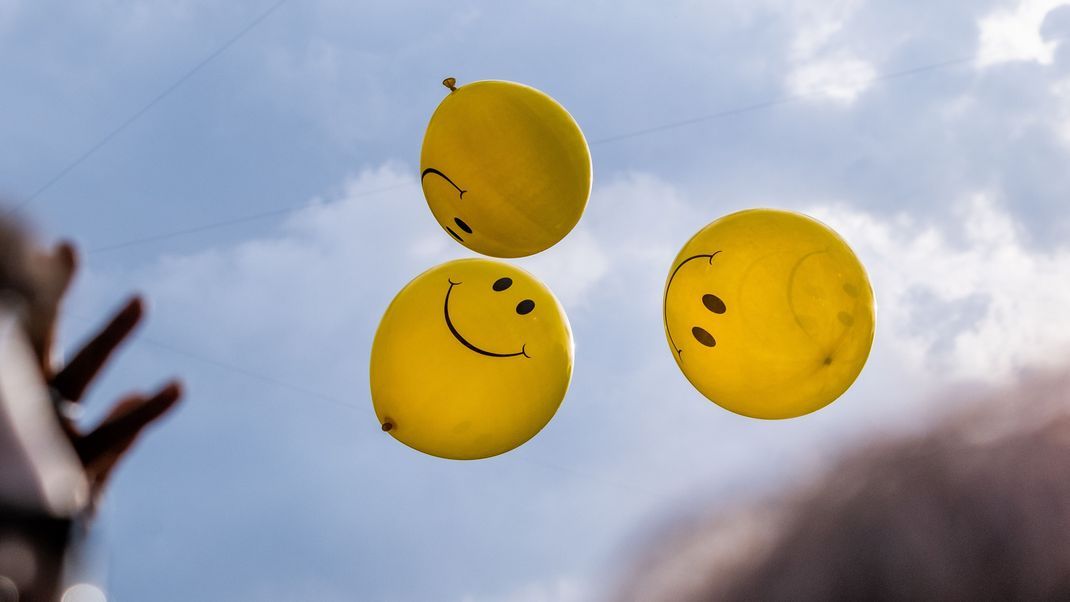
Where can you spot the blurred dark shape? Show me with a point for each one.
(50, 470)
(977, 508)
(16, 281)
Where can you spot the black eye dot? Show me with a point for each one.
(462, 225)
(525, 306)
(501, 284)
(703, 337)
(714, 304)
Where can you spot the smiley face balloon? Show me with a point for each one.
(505, 169)
(471, 359)
(769, 313)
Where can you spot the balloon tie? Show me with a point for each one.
(450, 83)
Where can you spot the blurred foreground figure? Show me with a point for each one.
(976, 509)
(50, 471)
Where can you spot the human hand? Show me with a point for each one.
(100, 448)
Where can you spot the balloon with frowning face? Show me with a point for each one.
(471, 359)
(769, 313)
(505, 169)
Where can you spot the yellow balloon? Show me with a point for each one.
(471, 359)
(505, 169)
(769, 313)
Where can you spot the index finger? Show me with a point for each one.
(72, 381)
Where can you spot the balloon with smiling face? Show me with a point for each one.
(505, 169)
(471, 359)
(769, 313)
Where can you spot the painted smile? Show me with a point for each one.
(665, 309)
(460, 224)
(463, 341)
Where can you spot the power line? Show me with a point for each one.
(577, 474)
(271, 380)
(232, 222)
(278, 382)
(722, 114)
(144, 109)
(732, 112)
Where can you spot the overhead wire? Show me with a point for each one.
(233, 222)
(271, 380)
(768, 104)
(92, 150)
(714, 116)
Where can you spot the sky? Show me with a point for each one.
(932, 136)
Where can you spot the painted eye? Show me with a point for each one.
(525, 306)
(703, 337)
(714, 304)
(462, 225)
(501, 284)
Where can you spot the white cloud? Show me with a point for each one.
(817, 23)
(329, 263)
(967, 302)
(1013, 34)
(823, 67)
(839, 79)
(573, 269)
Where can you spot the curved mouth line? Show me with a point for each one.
(664, 305)
(449, 324)
(432, 170)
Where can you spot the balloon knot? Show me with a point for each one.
(387, 426)
(450, 83)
